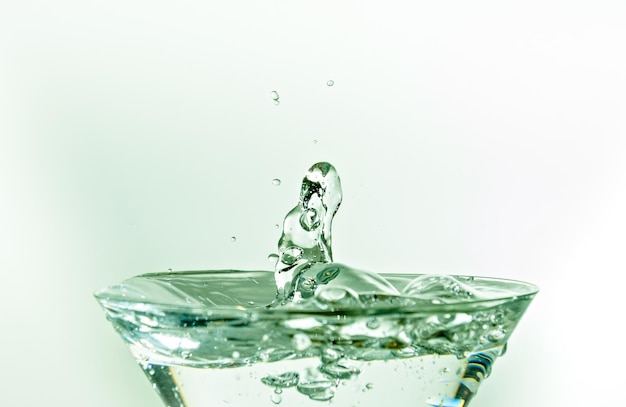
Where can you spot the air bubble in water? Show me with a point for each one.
(373, 323)
(309, 220)
(339, 371)
(276, 181)
(301, 341)
(288, 379)
(291, 255)
(336, 295)
(319, 390)
(330, 83)
(440, 289)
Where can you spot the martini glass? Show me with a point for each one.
(209, 338)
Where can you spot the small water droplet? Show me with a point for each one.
(233, 238)
(275, 97)
(314, 141)
(330, 83)
(272, 258)
(369, 386)
(276, 398)
(276, 181)
(236, 355)
(277, 226)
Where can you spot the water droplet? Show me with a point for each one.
(277, 226)
(369, 386)
(236, 355)
(272, 258)
(276, 398)
(314, 141)
(275, 97)
(276, 181)
(330, 83)
(233, 238)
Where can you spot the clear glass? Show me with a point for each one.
(208, 338)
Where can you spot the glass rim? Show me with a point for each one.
(110, 298)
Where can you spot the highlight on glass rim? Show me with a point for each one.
(313, 331)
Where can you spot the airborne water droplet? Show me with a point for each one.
(272, 258)
(276, 181)
(275, 97)
(330, 83)
(276, 398)
(233, 238)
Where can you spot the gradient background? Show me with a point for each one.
(471, 138)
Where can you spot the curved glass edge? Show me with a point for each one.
(161, 293)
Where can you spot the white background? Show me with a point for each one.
(472, 137)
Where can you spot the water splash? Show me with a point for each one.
(306, 237)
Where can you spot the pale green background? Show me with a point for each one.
(472, 137)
